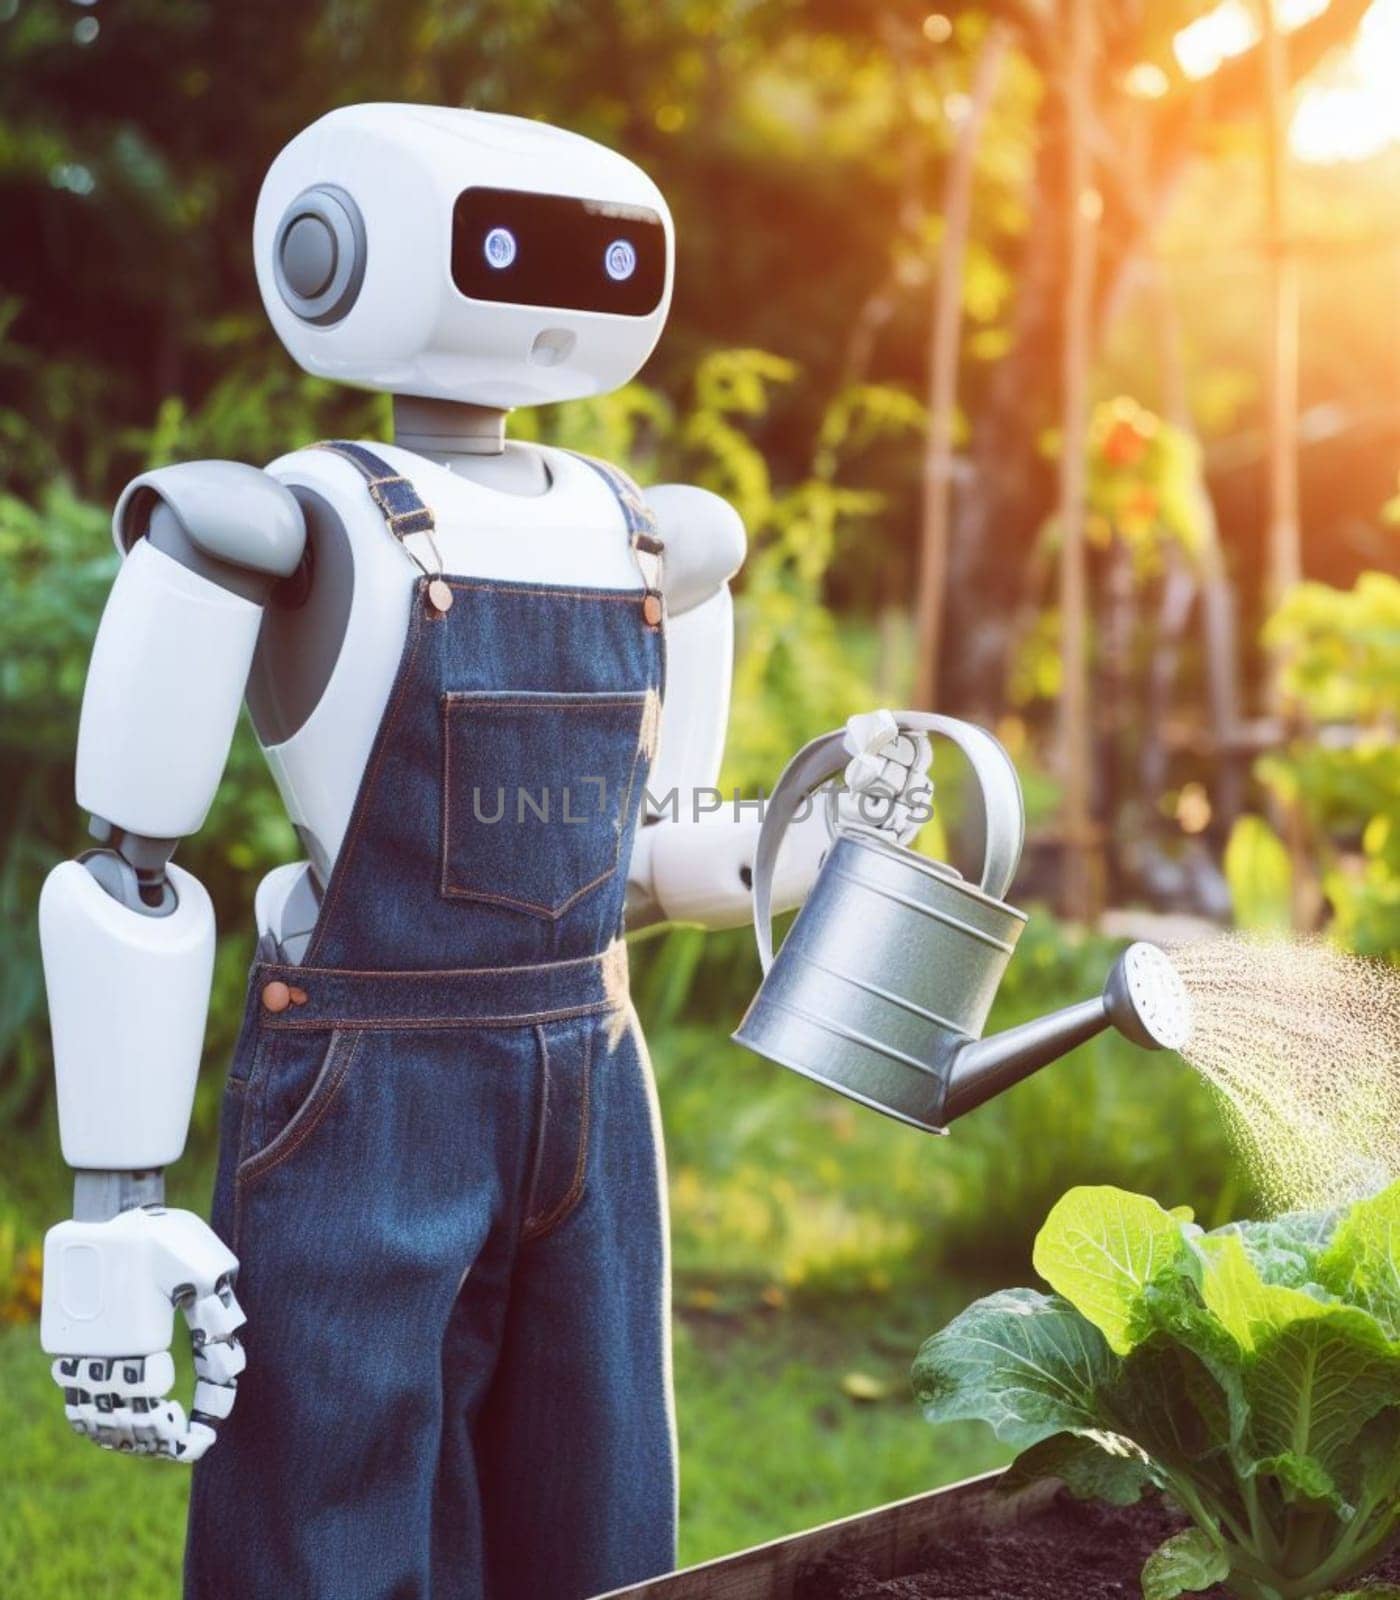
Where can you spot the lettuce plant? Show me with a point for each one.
(1252, 1373)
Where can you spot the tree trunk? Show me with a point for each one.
(1076, 738)
(1284, 541)
(945, 348)
(1284, 556)
(997, 518)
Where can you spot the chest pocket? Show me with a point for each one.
(539, 793)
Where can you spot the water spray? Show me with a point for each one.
(1301, 1042)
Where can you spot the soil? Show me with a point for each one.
(1076, 1550)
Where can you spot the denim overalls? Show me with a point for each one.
(440, 1161)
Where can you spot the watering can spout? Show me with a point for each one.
(1144, 999)
(886, 979)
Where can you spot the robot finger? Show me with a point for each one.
(196, 1441)
(102, 1415)
(912, 751)
(212, 1318)
(220, 1362)
(213, 1400)
(121, 1403)
(868, 732)
(169, 1430)
(863, 772)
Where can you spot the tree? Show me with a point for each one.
(944, 353)
(998, 517)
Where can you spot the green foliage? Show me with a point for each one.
(1146, 484)
(21, 1271)
(1188, 1561)
(795, 676)
(1260, 877)
(1252, 1373)
(1342, 671)
(56, 565)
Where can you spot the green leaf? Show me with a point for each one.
(1303, 1476)
(1315, 1382)
(1371, 1471)
(1023, 1362)
(1168, 1401)
(1188, 1561)
(1097, 1466)
(1378, 1591)
(1247, 1307)
(1286, 1250)
(1101, 1247)
(1250, 1380)
(1260, 877)
(1362, 1262)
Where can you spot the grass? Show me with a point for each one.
(78, 1521)
(808, 1449)
(815, 1246)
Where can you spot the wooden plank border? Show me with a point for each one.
(890, 1539)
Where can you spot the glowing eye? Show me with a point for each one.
(620, 260)
(499, 248)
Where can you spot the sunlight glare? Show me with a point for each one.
(1352, 111)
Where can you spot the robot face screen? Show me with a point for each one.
(549, 250)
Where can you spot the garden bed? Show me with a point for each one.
(966, 1542)
(889, 1541)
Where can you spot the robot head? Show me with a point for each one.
(461, 255)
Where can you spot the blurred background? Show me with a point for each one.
(1051, 352)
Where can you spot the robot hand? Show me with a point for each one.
(111, 1287)
(887, 783)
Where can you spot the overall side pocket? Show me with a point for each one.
(299, 1075)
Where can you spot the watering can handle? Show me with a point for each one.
(826, 756)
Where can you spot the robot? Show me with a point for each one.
(472, 665)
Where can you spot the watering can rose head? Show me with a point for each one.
(1252, 1374)
(884, 983)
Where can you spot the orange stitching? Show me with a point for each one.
(585, 700)
(259, 1166)
(542, 1132)
(454, 892)
(418, 973)
(566, 1207)
(616, 596)
(445, 784)
(253, 1087)
(392, 1023)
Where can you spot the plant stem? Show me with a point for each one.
(1248, 1588)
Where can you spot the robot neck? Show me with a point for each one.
(448, 427)
(470, 441)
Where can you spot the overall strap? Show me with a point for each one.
(647, 548)
(404, 510)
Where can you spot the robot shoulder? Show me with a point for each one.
(705, 542)
(227, 512)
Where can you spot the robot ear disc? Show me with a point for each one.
(318, 257)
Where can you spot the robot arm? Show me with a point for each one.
(693, 861)
(128, 948)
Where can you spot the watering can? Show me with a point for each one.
(882, 987)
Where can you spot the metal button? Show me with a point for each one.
(276, 996)
(651, 610)
(309, 256)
